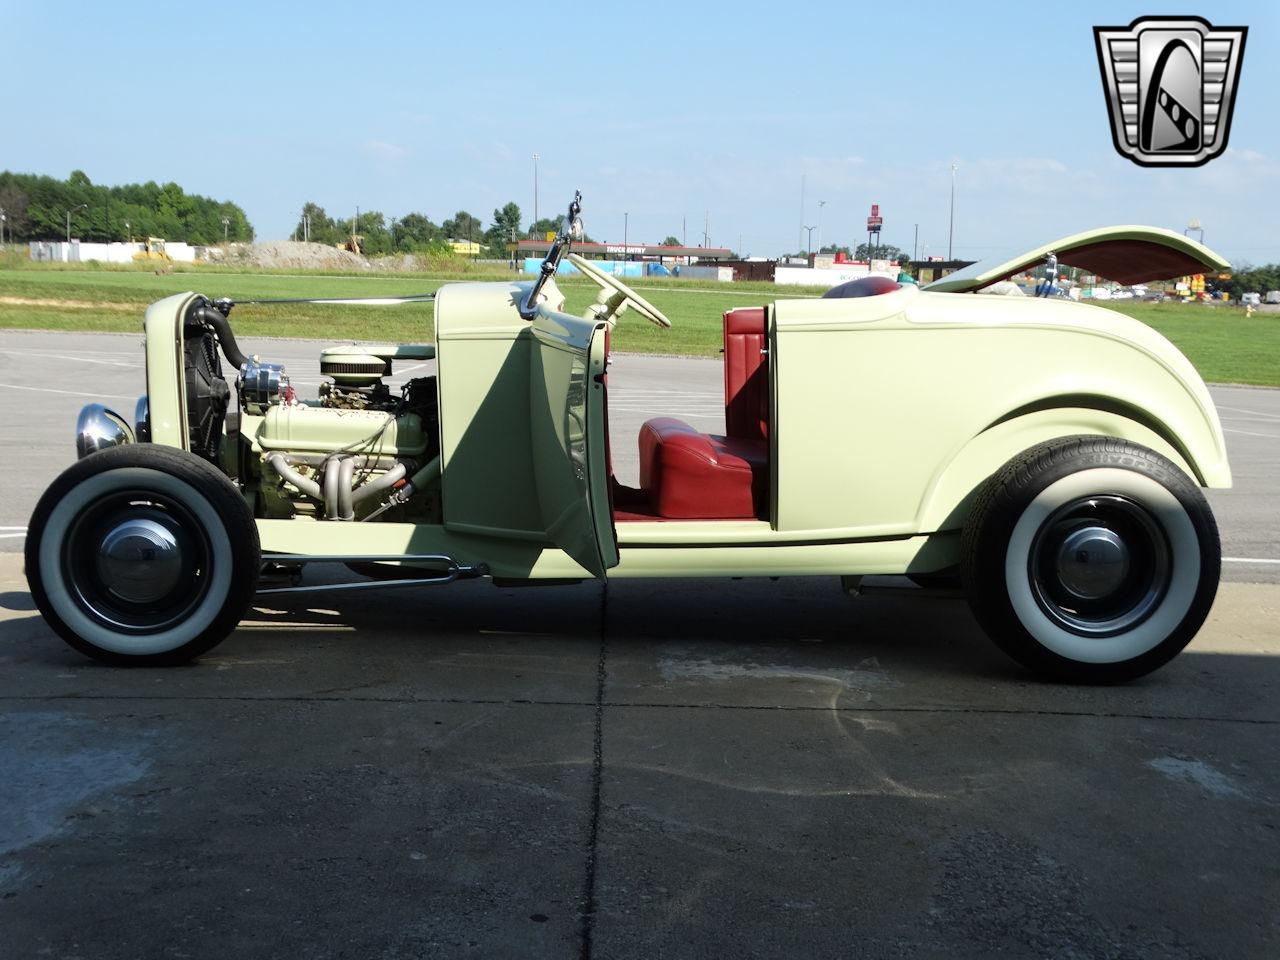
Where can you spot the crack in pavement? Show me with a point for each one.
(624, 705)
(597, 777)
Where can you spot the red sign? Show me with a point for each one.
(875, 210)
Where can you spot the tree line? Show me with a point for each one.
(38, 208)
(1250, 279)
(417, 233)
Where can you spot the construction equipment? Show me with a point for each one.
(153, 249)
(353, 244)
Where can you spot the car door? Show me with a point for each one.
(569, 437)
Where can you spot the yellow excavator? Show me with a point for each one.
(353, 243)
(153, 249)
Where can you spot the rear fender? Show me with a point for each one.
(948, 498)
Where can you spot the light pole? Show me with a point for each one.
(915, 243)
(226, 222)
(2, 222)
(128, 229)
(810, 229)
(625, 218)
(821, 204)
(1194, 225)
(82, 206)
(952, 223)
(535, 191)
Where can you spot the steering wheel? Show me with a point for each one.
(609, 282)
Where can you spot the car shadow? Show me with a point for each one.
(652, 627)
(19, 600)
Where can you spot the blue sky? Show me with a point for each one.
(661, 111)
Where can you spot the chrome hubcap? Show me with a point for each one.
(140, 561)
(1100, 565)
(1093, 562)
(137, 561)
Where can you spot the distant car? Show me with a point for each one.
(1251, 299)
(1273, 296)
(1047, 455)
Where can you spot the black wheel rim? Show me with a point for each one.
(137, 561)
(1100, 566)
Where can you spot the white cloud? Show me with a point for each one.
(385, 152)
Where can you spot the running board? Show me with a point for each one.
(452, 570)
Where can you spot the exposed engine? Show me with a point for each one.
(357, 452)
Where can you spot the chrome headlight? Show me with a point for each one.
(98, 428)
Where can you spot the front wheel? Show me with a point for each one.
(1091, 560)
(142, 555)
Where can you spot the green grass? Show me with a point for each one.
(1224, 344)
(121, 296)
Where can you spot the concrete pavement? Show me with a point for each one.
(652, 769)
(676, 769)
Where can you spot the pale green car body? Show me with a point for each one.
(888, 413)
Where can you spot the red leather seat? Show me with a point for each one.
(687, 475)
(746, 374)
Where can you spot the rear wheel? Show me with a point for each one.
(142, 555)
(1091, 559)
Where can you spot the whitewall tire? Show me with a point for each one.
(1091, 559)
(142, 555)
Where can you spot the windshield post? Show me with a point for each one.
(570, 230)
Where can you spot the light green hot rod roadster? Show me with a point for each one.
(1047, 455)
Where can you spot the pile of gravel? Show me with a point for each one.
(292, 255)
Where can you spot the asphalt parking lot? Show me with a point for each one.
(652, 769)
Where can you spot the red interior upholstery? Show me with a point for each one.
(686, 475)
(746, 375)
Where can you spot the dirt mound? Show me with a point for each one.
(398, 262)
(292, 255)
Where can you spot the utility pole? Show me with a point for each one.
(821, 204)
(952, 224)
(535, 189)
(82, 206)
(706, 228)
(684, 229)
(226, 222)
(915, 243)
(625, 218)
(802, 186)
